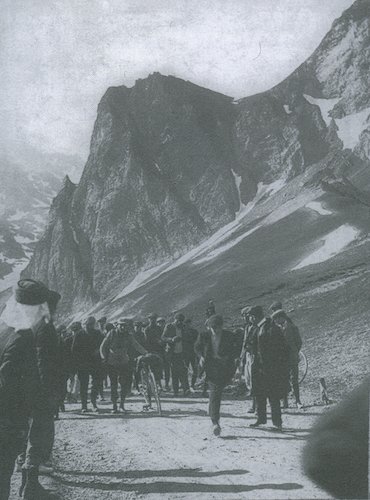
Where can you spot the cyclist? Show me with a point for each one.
(114, 350)
(294, 341)
(148, 384)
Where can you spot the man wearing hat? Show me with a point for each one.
(27, 384)
(190, 337)
(167, 356)
(115, 350)
(173, 338)
(154, 343)
(217, 350)
(294, 343)
(86, 356)
(252, 316)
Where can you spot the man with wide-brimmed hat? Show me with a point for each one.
(27, 378)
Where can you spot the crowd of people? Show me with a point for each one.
(38, 364)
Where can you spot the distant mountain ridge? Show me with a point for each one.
(172, 164)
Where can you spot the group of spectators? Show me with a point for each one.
(38, 361)
(100, 350)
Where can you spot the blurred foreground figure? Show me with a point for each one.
(336, 455)
(26, 395)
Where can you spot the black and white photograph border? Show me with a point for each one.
(184, 249)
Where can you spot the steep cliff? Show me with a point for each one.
(171, 164)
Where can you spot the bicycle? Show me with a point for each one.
(302, 367)
(148, 385)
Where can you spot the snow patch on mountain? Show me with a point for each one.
(325, 105)
(238, 181)
(350, 127)
(318, 207)
(332, 244)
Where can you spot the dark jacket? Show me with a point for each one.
(189, 337)
(293, 340)
(48, 362)
(219, 370)
(20, 386)
(85, 349)
(153, 341)
(270, 373)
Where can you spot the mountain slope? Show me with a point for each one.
(182, 181)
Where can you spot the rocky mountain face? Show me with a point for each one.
(26, 191)
(174, 168)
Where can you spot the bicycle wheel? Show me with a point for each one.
(154, 391)
(302, 367)
(145, 386)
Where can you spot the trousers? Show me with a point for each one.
(121, 375)
(294, 380)
(261, 402)
(191, 360)
(84, 376)
(12, 438)
(215, 395)
(179, 373)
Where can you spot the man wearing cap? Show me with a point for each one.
(189, 339)
(217, 350)
(154, 344)
(85, 351)
(115, 351)
(294, 342)
(167, 355)
(173, 337)
(269, 372)
(27, 384)
(252, 316)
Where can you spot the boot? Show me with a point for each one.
(32, 489)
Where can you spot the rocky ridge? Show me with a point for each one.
(171, 164)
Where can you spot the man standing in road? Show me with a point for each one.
(269, 372)
(252, 316)
(154, 344)
(26, 385)
(173, 337)
(294, 343)
(190, 336)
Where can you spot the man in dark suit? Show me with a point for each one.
(217, 350)
(26, 407)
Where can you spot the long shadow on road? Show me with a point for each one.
(178, 487)
(139, 474)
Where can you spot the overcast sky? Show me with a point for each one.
(59, 56)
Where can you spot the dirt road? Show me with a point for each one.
(104, 456)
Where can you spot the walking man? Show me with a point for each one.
(217, 350)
